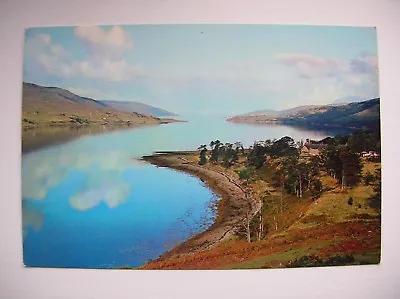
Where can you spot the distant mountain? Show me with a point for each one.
(274, 114)
(56, 106)
(263, 112)
(364, 114)
(350, 99)
(138, 107)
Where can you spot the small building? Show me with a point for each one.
(370, 154)
(312, 149)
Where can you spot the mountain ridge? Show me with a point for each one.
(349, 99)
(138, 107)
(365, 114)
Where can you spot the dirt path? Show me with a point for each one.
(237, 202)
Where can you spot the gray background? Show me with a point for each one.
(343, 282)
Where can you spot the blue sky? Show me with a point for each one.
(206, 69)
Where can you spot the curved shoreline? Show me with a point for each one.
(237, 201)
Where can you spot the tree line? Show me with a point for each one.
(339, 158)
(227, 154)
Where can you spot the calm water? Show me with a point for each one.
(90, 203)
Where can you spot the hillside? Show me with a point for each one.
(364, 114)
(138, 108)
(318, 222)
(53, 106)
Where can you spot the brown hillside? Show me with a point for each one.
(52, 106)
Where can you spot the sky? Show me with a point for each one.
(209, 70)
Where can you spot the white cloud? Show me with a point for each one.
(105, 60)
(322, 94)
(46, 38)
(322, 80)
(309, 66)
(364, 64)
(104, 42)
(107, 70)
(41, 54)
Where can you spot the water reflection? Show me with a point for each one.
(40, 173)
(185, 226)
(31, 219)
(112, 193)
(36, 138)
(46, 169)
(295, 131)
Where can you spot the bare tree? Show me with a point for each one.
(246, 225)
(300, 185)
(343, 179)
(261, 227)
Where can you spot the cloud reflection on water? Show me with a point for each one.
(103, 172)
(39, 174)
(31, 218)
(111, 193)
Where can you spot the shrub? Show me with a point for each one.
(350, 201)
(306, 261)
(28, 121)
(203, 159)
(369, 178)
(315, 261)
(245, 174)
(375, 201)
(339, 260)
(366, 216)
(316, 190)
(79, 120)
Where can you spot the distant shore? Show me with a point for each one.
(293, 123)
(236, 201)
(79, 123)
